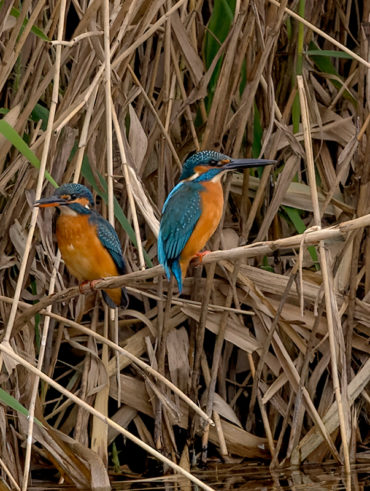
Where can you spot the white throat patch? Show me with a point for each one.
(194, 176)
(67, 210)
(217, 177)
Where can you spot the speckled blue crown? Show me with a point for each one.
(198, 159)
(78, 189)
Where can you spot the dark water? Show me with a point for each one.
(259, 477)
(248, 477)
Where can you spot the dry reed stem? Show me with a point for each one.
(108, 110)
(253, 250)
(240, 118)
(266, 346)
(200, 332)
(364, 128)
(163, 330)
(127, 354)
(286, 361)
(77, 39)
(184, 302)
(77, 106)
(103, 418)
(31, 408)
(313, 439)
(32, 404)
(183, 93)
(38, 190)
(9, 475)
(201, 328)
(294, 378)
(147, 34)
(214, 371)
(325, 273)
(323, 34)
(128, 189)
(99, 432)
(216, 359)
(334, 232)
(266, 425)
(10, 55)
(220, 434)
(155, 114)
(40, 361)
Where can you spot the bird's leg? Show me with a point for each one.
(87, 286)
(198, 257)
(93, 283)
(84, 287)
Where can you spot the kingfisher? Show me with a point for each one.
(193, 209)
(88, 243)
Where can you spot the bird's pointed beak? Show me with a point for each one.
(245, 163)
(51, 201)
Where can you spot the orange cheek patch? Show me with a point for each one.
(81, 201)
(200, 169)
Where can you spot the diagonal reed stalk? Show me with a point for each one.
(128, 188)
(325, 274)
(323, 34)
(147, 368)
(103, 418)
(45, 331)
(336, 232)
(99, 434)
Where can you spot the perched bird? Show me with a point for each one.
(88, 243)
(193, 209)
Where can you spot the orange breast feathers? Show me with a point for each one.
(82, 251)
(84, 255)
(212, 202)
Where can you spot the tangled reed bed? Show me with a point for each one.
(271, 340)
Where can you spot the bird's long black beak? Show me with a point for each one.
(51, 201)
(245, 163)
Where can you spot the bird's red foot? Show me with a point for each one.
(93, 283)
(198, 257)
(87, 286)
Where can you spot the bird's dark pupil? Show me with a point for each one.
(213, 162)
(73, 196)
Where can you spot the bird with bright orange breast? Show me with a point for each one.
(89, 245)
(193, 209)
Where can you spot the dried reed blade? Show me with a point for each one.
(105, 419)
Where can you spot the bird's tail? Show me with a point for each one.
(116, 297)
(176, 270)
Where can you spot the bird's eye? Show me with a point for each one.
(213, 162)
(73, 196)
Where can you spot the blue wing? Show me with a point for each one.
(180, 214)
(174, 190)
(109, 239)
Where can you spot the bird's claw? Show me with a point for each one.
(87, 286)
(198, 257)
